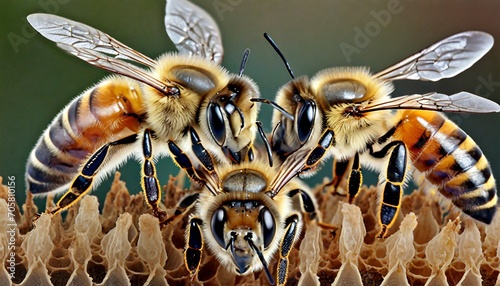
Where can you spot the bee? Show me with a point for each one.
(246, 212)
(139, 111)
(393, 136)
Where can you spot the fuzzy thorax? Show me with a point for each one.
(352, 130)
(196, 78)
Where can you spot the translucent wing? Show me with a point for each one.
(119, 67)
(81, 36)
(459, 102)
(444, 59)
(291, 168)
(96, 48)
(306, 158)
(193, 31)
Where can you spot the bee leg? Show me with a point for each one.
(194, 246)
(250, 154)
(183, 206)
(150, 184)
(286, 245)
(306, 202)
(83, 182)
(202, 153)
(183, 161)
(339, 172)
(354, 183)
(355, 180)
(392, 188)
(314, 157)
(309, 208)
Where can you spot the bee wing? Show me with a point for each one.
(305, 158)
(444, 59)
(119, 67)
(96, 48)
(81, 36)
(292, 166)
(295, 164)
(459, 102)
(193, 31)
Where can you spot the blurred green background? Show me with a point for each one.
(37, 79)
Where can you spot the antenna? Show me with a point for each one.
(274, 105)
(244, 61)
(266, 142)
(248, 238)
(275, 47)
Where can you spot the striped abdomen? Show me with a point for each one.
(107, 112)
(451, 161)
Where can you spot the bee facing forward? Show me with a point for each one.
(355, 105)
(139, 112)
(245, 213)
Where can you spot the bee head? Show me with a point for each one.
(245, 229)
(231, 116)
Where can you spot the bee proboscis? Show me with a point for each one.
(245, 212)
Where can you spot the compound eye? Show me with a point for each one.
(305, 120)
(217, 224)
(216, 123)
(268, 226)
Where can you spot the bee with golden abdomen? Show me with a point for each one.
(245, 213)
(138, 112)
(356, 106)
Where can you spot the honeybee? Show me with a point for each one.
(394, 136)
(245, 213)
(137, 113)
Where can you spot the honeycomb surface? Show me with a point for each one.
(124, 245)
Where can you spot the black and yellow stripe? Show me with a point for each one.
(103, 114)
(57, 156)
(452, 162)
(82, 183)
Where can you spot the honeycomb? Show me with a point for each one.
(124, 245)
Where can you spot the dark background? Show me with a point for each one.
(37, 79)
